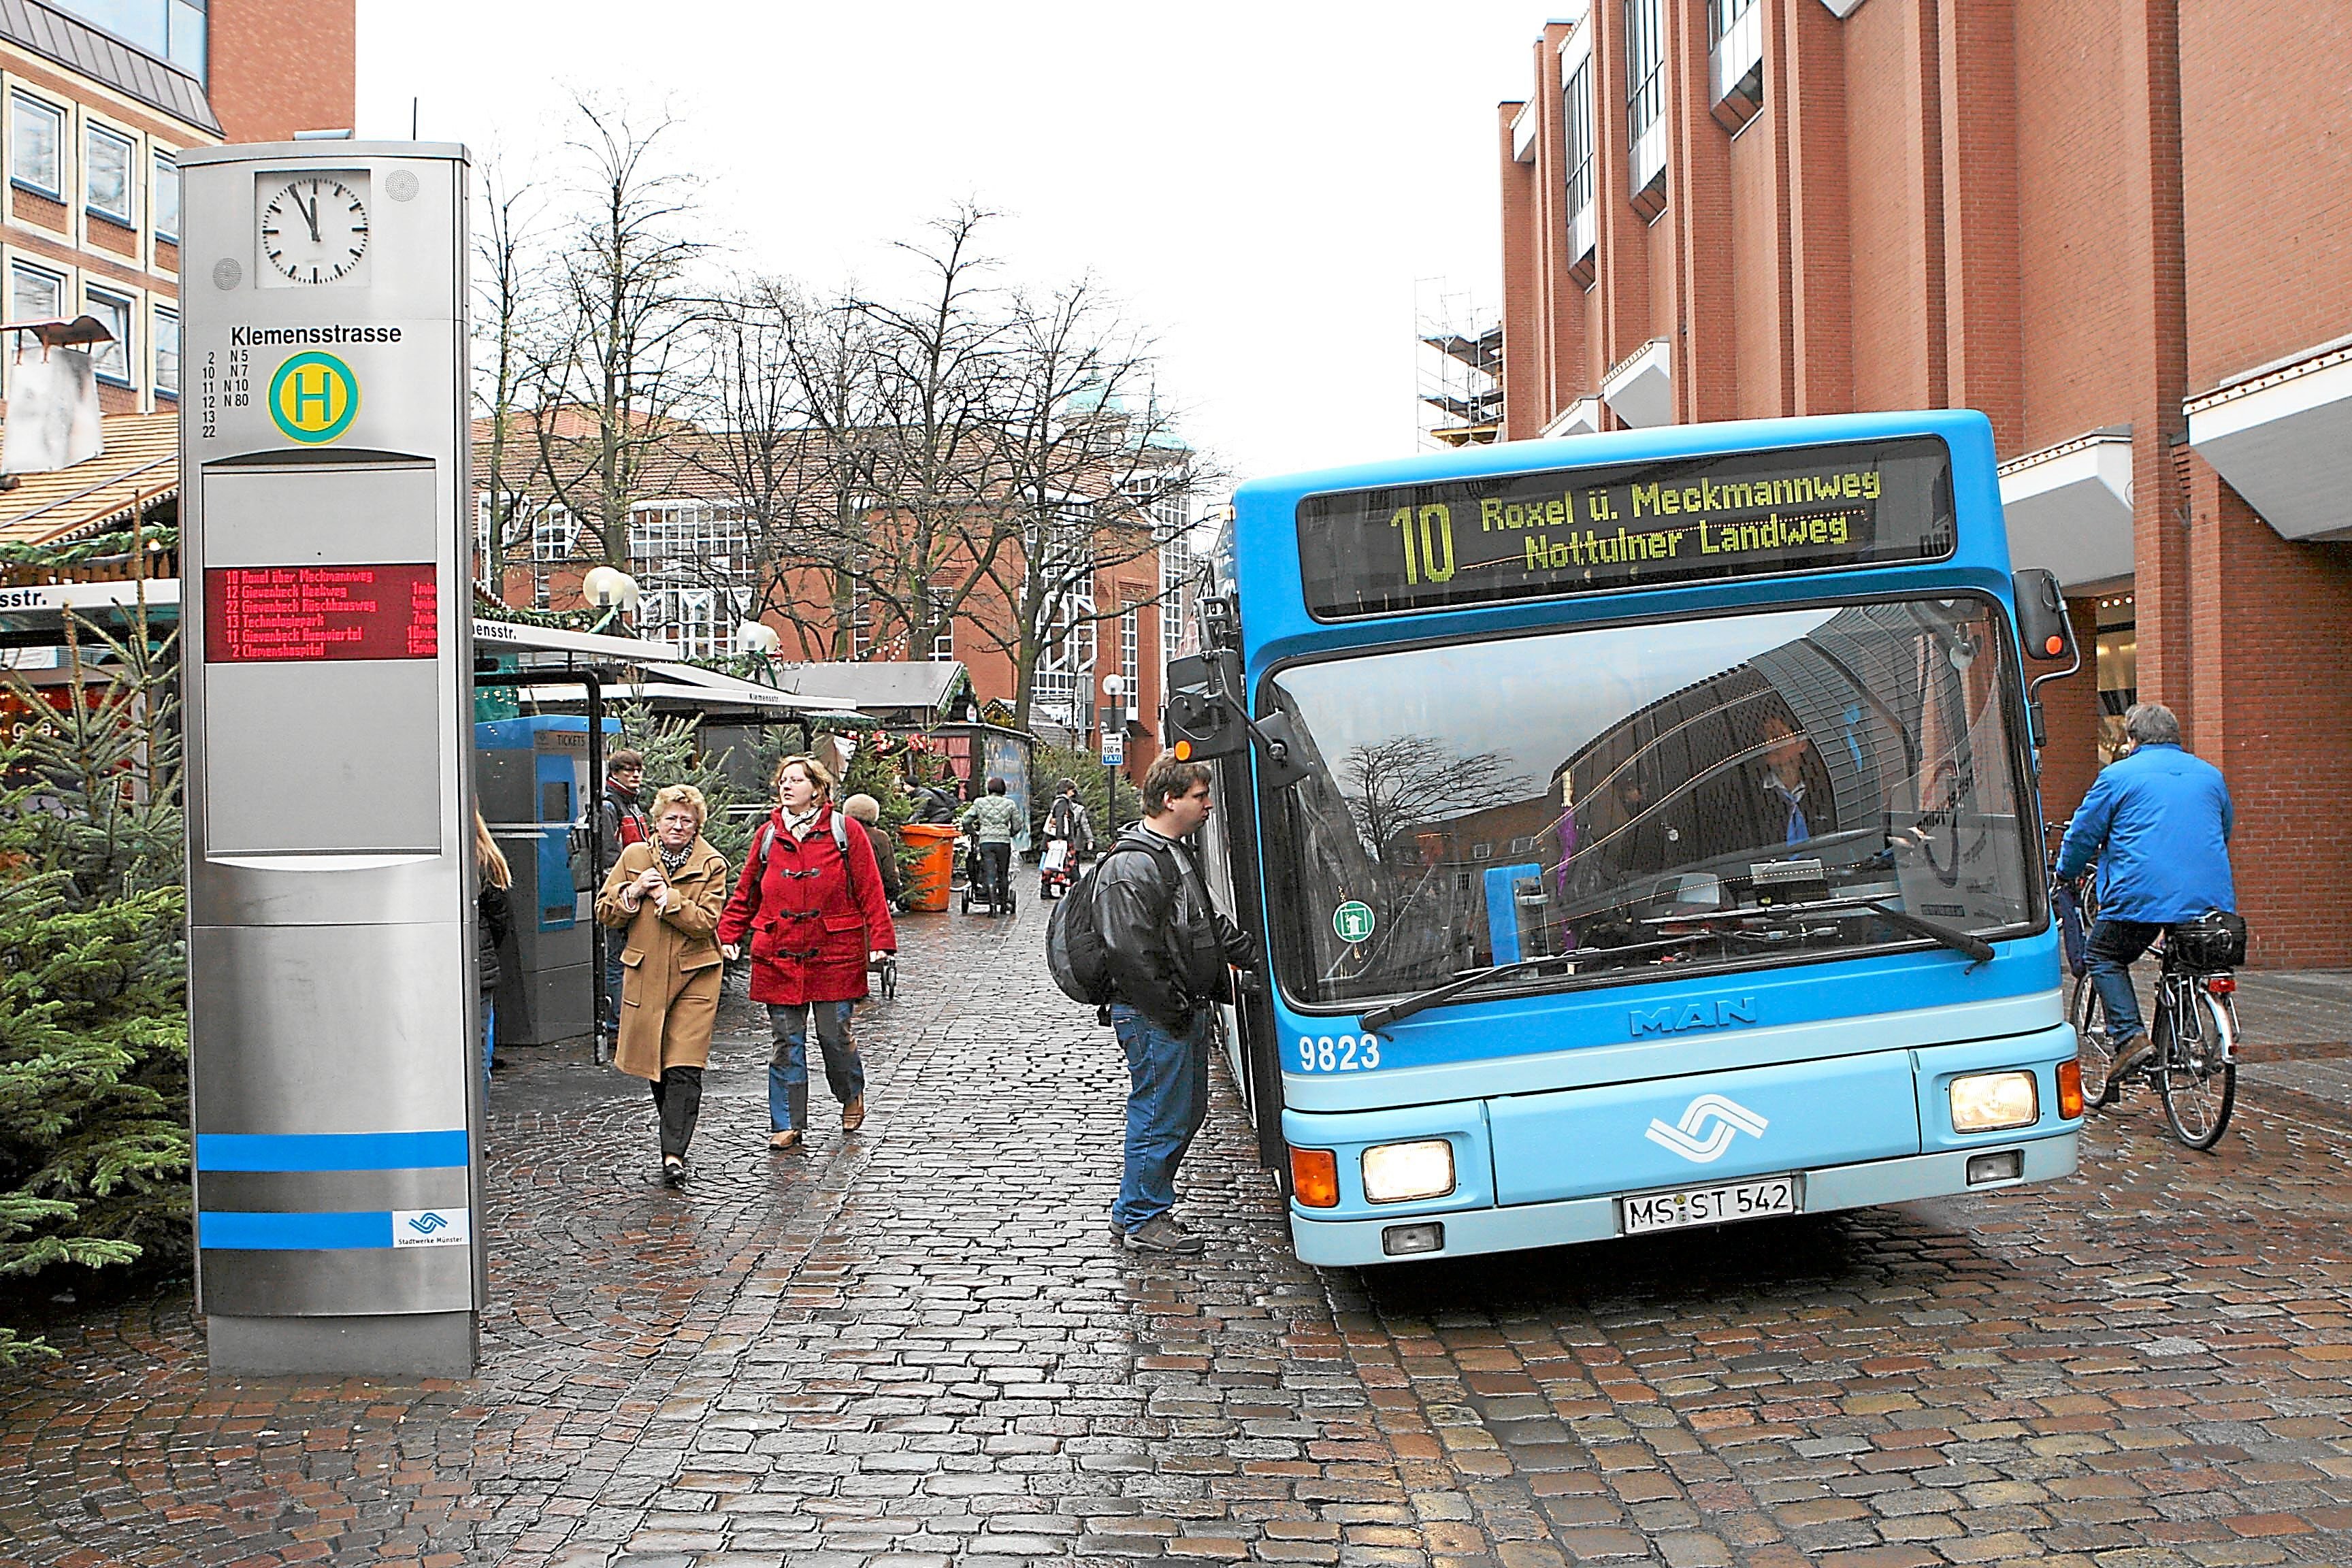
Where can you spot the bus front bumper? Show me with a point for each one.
(1351, 1243)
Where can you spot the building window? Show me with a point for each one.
(35, 295)
(105, 164)
(1736, 60)
(1130, 632)
(1646, 93)
(166, 199)
(167, 354)
(112, 360)
(170, 30)
(36, 147)
(942, 628)
(1576, 105)
(553, 534)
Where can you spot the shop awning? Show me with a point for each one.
(2283, 438)
(2068, 508)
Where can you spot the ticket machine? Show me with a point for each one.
(532, 774)
(325, 513)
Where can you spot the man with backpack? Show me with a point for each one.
(1139, 936)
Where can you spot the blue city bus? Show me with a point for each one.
(1643, 831)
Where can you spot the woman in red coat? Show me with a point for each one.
(811, 905)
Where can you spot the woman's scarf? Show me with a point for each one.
(673, 863)
(801, 826)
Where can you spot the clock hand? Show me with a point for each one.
(309, 214)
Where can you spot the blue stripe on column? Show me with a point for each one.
(330, 1151)
(293, 1232)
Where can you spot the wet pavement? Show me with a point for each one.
(919, 1345)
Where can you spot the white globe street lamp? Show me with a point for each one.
(611, 590)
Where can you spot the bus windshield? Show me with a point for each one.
(1725, 791)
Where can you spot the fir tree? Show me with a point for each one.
(94, 1142)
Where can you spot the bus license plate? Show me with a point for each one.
(1707, 1206)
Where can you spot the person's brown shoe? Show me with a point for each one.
(781, 1141)
(853, 1115)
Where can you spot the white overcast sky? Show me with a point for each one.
(1262, 183)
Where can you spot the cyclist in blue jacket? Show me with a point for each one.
(2158, 821)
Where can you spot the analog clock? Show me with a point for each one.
(314, 228)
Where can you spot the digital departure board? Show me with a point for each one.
(254, 614)
(1581, 530)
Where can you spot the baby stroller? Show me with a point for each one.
(987, 886)
(1056, 869)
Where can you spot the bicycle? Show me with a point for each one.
(2193, 1024)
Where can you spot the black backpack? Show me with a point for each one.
(1075, 952)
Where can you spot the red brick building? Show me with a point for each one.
(98, 97)
(2121, 228)
(705, 564)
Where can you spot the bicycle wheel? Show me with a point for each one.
(2094, 1052)
(2199, 1078)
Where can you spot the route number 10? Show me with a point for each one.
(1434, 559)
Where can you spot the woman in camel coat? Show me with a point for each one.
(667, 893)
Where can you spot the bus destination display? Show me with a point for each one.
(1582, 530)
(292, 613)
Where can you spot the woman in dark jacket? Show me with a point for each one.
(493, 928)
(811, 908)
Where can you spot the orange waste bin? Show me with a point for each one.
(927, 880)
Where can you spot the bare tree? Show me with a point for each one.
(608, 388)
(935, 522)
(507, 316)
(1093, 476)
(1395, 786)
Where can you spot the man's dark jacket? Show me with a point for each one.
(1168, 948)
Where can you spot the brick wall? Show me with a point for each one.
(2266, 156)
(2070, 214)
(283, 66)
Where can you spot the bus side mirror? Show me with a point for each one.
(1197, 723)
(1200, 723)
(2042, 625)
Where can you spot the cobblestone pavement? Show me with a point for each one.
(920, 1345)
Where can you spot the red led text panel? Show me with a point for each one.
(281, 614)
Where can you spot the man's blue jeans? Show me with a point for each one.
(2113, 944)
(1167, 1101)
(844, 1074)
(617, 942)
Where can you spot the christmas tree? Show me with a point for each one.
(94, 1142)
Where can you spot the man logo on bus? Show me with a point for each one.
(1721, 1013)
(313, 398)
(1730, 1119)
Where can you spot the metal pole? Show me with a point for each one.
(596, 938)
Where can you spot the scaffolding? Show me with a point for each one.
(1459, 361)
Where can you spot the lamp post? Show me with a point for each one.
(1114, 747)
(611, 590)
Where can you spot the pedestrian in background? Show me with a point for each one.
(991, 820)
(1068, 820)
(810, 908)
(1171, 954)
(493, 928)
(665, 896)
(622, 821)
(865, 809)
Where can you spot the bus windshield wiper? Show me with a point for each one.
(1379, 1019)
(1958, 941)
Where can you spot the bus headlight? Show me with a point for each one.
(1398, 1172)
(1993, 1101)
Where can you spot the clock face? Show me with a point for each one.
(314, 229)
